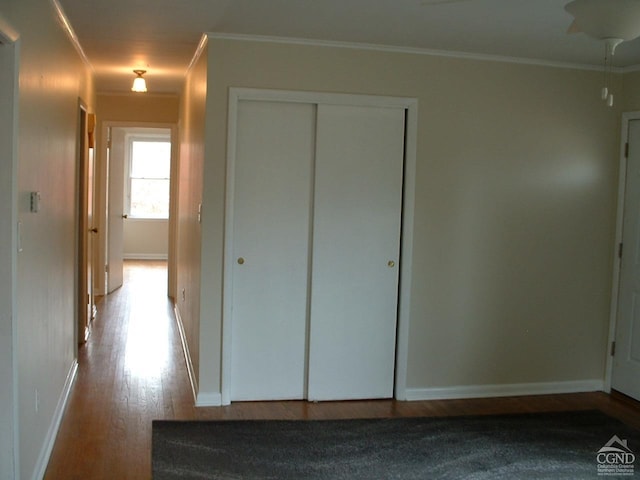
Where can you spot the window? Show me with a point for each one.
(149, 170)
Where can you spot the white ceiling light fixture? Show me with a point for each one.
(610, 21)
(139, 83)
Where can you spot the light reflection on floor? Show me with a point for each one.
(147, 348)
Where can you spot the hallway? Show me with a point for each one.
(132, 371)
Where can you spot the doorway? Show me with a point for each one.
(625, 333)
(86, 307)
(140, 198)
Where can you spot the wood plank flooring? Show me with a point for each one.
(132, 371)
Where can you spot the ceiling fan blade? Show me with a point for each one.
(603, 19)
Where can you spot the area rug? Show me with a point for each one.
(568, 445)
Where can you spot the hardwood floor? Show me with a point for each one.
(132, 371)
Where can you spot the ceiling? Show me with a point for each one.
(161, 36)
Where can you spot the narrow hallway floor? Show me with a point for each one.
(130, 371)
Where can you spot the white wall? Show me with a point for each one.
(146, 239)
(514, 215)
(52, 77)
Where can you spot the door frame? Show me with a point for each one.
(172, 289)
(9, 249)
(617, 260)
(85, 191)
(410, 106)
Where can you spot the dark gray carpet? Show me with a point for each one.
(531, 446)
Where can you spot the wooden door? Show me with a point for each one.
(356, 238)
(626, 362)
(270, 249)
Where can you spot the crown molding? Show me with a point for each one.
(412, 50)
(7, 33)
(629, 69)
(66, 25)
(204, 39)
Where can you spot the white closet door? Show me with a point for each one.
(271, 233)
(356, 234)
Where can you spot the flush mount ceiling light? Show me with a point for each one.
(610, 21)
(139, 83)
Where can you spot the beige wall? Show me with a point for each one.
(145, 238)
(630, 99)
(132, 107)
(192, 151)
(52, 77)
(514, 215)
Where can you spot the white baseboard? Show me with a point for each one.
(209, 399)
(187, 355)
(145, 256)
(52, 433)
(504, 390)
(201, 399)
(214, 399)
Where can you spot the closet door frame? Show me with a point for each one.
(410, 105)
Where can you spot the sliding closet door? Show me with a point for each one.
(357, 216)
(271, 235)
